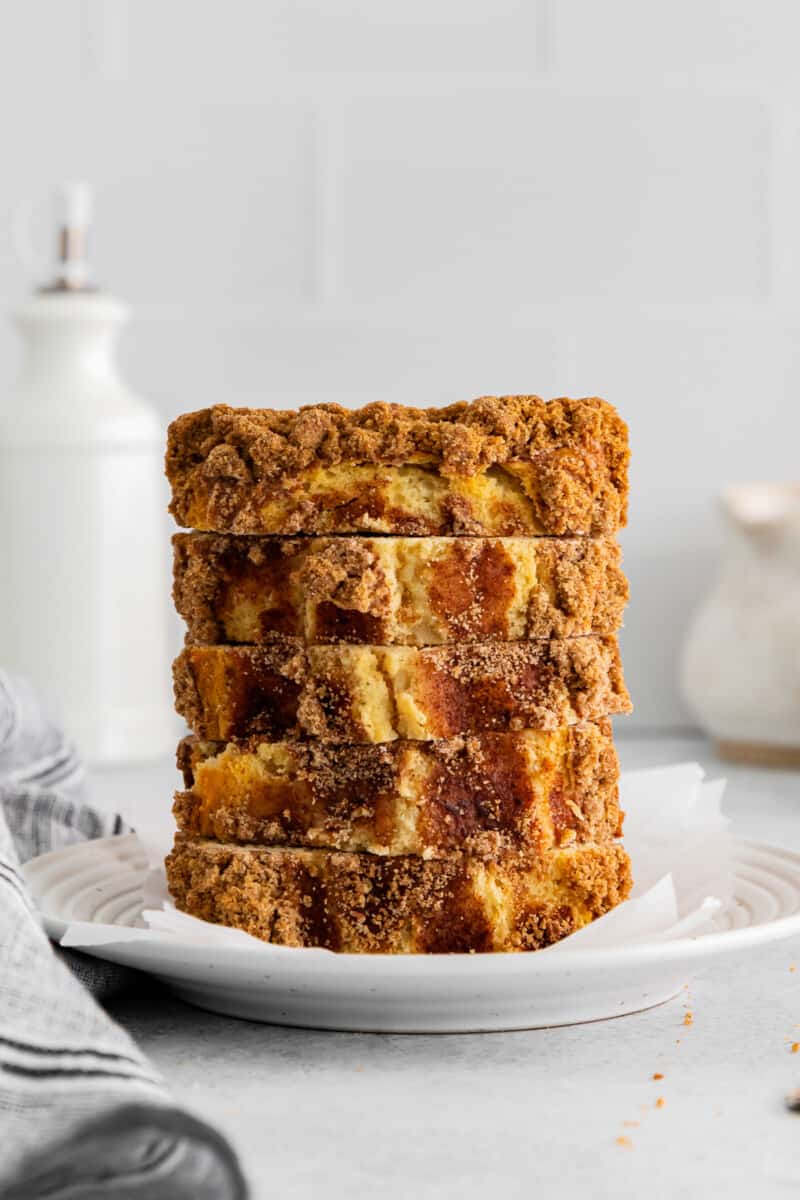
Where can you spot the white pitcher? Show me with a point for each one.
(741, 663)
(82, 537)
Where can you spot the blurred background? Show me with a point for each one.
(428, 200)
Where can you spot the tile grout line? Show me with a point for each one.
(105, 40)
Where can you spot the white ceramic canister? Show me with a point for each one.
(82, 495)
(741, 662)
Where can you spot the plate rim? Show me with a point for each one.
(640, 953)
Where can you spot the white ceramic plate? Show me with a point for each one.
(101, 881)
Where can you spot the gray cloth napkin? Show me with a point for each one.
(83, 1114)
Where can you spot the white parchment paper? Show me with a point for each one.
(675, 834)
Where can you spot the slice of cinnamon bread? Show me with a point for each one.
(379, 693)
(396, 590)
(498, 466)
(367, 903)
(484, 794)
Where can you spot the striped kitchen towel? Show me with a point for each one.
(82, 1112)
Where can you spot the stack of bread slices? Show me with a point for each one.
(400, 665)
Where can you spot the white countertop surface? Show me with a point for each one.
(512, 1114)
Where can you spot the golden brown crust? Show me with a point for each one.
(498, 466)
(379, 693)
(483, 795)
(364, 903)
(395, 591)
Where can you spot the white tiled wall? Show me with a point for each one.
(426, 200)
